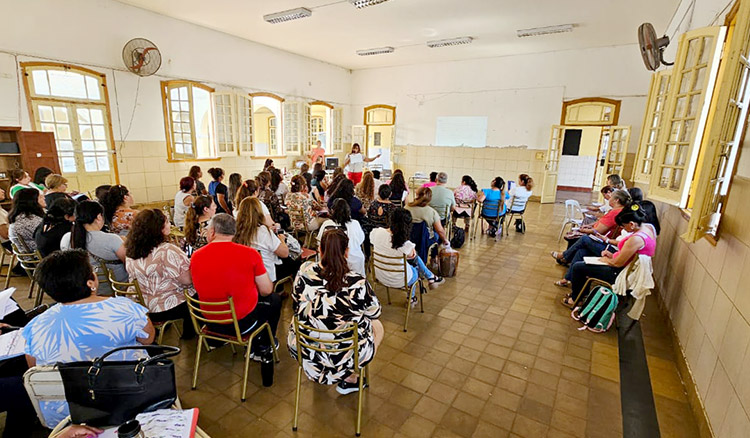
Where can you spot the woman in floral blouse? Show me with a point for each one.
(269, 198)
(466, 195)
(365, 190)
(117, 211)
(161, 268)
(196, 222)
(330, 296)
(302, 208)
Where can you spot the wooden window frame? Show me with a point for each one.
(653, 111)
(166, 106)
(602, 100)
(32, 97)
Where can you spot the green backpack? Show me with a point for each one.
(598, 311)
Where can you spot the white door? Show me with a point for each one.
(612, 152)
(549, 184)
(359, 135)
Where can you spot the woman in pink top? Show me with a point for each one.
(466, 195)
(641, 241)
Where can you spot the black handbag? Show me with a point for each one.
(109, 393)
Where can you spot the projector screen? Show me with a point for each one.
(461, 131)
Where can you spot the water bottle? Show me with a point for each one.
(130, 429)
(266, 366)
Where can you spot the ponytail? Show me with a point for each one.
(191, 218)
(86, 214)
(333, 246)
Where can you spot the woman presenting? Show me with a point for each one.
(356, 162)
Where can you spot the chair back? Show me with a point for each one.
(130, 290)
(326, 341)
(102, 270)
(43, 383)
(399, 203)
(420, 235)
(386, 263)
(573, 210)
(28, 260)
(222, 312)
(298, 219)
(176, 237)
(496, 205)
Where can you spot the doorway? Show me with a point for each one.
(380, 135)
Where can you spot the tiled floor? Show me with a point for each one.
(494, 355)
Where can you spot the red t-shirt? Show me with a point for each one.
(608, 220)
(225, 269)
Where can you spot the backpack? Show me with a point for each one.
(598, 311)
(459, 237)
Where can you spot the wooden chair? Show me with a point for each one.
(225, 313)
(132, 290)
(490, 205)
(400, 264)
(317, 344)
(29, 261)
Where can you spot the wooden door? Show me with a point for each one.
(38, 150)
(549, 184)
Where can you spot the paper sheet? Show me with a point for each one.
(12, 344)
(355, 158)
(164, 423)
(594, 261)
(6, 304)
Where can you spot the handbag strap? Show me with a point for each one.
(166, 351)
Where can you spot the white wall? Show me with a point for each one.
(522, 95)
(93, 32)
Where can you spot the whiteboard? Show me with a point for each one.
(461, 131)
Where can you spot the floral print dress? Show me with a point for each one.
(300, 202)
(122, 220)
(316, 306)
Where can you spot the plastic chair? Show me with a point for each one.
(323, 344)
(43, 383)
(400, 264)
(29, 261)
(225, 313)
(572, 213)
(132, 290)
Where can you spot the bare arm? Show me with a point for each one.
(149, 329)
(222, 201)
(120, 253)
(4, 231)
(264, 285)
(185, 278)
(438, 227)
(367, 160)
(629, 249)
(282, 250)
(188, 200)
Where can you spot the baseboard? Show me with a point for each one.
(696, 404)
(574, 189)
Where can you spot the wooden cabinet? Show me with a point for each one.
(35, 149)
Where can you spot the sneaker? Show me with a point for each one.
(258, 353)
(436, 282)
(345, 387)
(414, 301)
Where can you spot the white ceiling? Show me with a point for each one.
(337, 29)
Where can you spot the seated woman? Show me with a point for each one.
(595, 237)
(422, 212)
(345, 191)
(341, 218)
(58, 221)
(433, 180)
(465, 195)
(328, 295)
(301, 207)
(519, 197)
(56, 187)
(84, 325)
(87, 235)
(161, 268)
(20, 179)
(118, 214)
(380, 210)
(365, 190)
(252, 232)
(496, 195)
(399, 191)
(249, 189)
(196, 222)
(333, 186)
(25, 216)
(278, 186)
(269, 198)
(182, 200)
(394, 242)
(320, 185)
(640, 241)
(600, 210)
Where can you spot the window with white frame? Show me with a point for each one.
(224, 107)
(189, 124)
(71, 102)
(266, 109)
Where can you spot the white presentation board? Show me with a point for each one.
(461, 131)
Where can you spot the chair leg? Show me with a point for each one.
(197, 361)
(248, 350)
(161, 330)
(421, 296)
(296, 397)
(362, 375)
(31, 286)
(408, 308)
(234, 350)
(273, 343)
(562, 229)
(388, 294)
(10, 267)
(39, 296)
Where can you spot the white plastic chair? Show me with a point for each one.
(573, 216)
(43, 383)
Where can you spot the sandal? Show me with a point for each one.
(568, 302)
(562, 283)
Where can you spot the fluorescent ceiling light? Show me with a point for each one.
(450, 42)
(291, 14)
(375, 51)
(544, 30)
(359, 4)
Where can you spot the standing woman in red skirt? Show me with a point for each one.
(356, 161)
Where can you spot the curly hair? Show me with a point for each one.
(146, 233)
(366, 188)
(113, 199)
(400, 225)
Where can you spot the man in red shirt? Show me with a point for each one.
(224, 269)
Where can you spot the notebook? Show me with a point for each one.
(594, 261)
(12, 344)
(164, 423)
